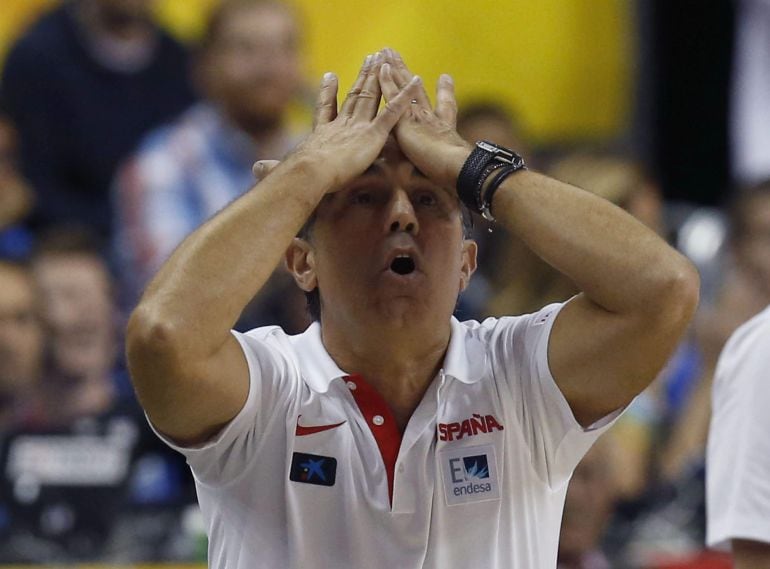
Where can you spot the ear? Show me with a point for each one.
(469, 253)
(300, 262)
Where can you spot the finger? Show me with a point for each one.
(350, 100)
(395, 107)
(388, 83)
(262, 168)
(326, 105)
(403, 76)
(369, 98)
(446, 103)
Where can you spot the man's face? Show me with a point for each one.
(253, 68)
(388, 247)
(78, 309)
(21, 337)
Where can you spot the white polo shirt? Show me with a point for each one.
(738, 451)
(313, 473)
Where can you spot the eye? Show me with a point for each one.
(426, 199)
(362, 197)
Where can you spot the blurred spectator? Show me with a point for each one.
(21, 345)
(15, 195)
(744, 291)
(672, 520)
(738, 459)
(490, 120)
(591, 498)
(249, 70)
(21, 365)
(82, 86)
(77, 481)
(81, 321)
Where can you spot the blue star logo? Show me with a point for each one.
(314, 468)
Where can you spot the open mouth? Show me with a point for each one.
(402, 265)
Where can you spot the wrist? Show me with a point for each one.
(314, 170)
(485, 169)
(454, 164)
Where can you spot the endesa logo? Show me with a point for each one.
(470, 474)
(475, 425)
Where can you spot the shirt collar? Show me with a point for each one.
(466, 357)
(316, 365)
(465, 360)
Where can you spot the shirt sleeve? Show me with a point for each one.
(738, 451)
(555, 439)
(273, 383)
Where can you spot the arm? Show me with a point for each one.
(187, 368)
(638, 294)
(749, 554)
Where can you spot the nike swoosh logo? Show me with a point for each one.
(304, 431)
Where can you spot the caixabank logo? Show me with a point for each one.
(470, 474)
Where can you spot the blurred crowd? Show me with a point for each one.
(116, 142)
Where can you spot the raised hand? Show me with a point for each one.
(427, 136)
(349, 139)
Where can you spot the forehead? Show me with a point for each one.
(54, 271)
(258, 22)
(394, 166)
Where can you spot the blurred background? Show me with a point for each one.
(124, 124)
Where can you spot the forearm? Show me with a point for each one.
(615, 260)
(201, 290)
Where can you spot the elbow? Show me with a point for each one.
(151, 338)
(677, 296)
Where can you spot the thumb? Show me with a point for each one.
(262, 168)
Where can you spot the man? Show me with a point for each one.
(738, 451)
(182, 174)
(590, 502)
(82, 86)
(21, 366)
(104, 473)
(442, 444)
(21, 344)
(79, 311)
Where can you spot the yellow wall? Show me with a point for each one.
(566, 65)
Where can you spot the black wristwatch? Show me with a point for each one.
(486, 158)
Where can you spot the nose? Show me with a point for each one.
(401, 214)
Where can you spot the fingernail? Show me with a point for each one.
(386, 67)
(377, 58)
(447, 78)
(328, 76)
(416, 79)
(367, 61)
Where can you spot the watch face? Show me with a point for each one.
(500, 154)
(488, 146)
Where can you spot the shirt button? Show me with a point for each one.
(352, 385)
(378, 420)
